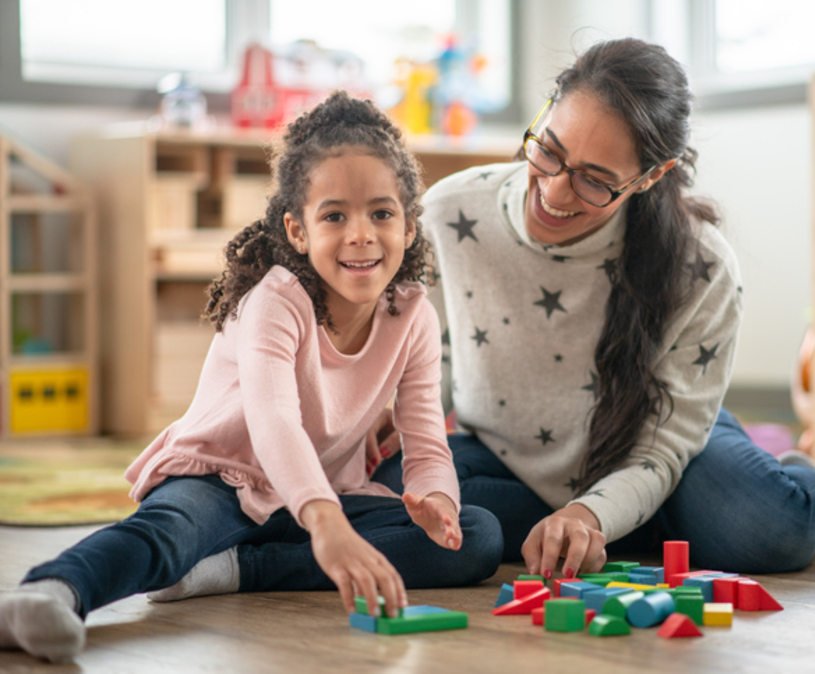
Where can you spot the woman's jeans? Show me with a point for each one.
(185, 519)
(739, 509)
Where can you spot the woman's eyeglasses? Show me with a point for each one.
(589, 189)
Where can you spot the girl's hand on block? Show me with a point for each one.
(381, 441)
(356, 567)
(573, 533)
(437, 515)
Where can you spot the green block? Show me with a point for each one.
(565, 615)
(526, 576)
(608, 626)
(685, 591)
(691, 605)
(620, 566)
(362, 606)
(427, 622)
(618, 606)
(597, 578)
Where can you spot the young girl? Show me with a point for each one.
(319, 321)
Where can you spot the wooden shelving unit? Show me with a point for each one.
(48, 299)
(168, 204)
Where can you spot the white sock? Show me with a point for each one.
(218, 574)
(41, 619)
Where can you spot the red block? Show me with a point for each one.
(523, 606)
(678, 625)
(538, 616)
(753, 597)
(522, 588)
(675, 559)
(679, 578)
(726, 590)
(590, 615)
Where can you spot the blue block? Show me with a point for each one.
(642, 578)
(422, 609)
(651, 610)
(703, 582)
(595, 600)
(362, 622)
(657, 571)
(506, 595)
(579, 590)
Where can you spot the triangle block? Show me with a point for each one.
(768, 603)
(525, 605)
(678, 625)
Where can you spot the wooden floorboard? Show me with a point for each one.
(309, 632)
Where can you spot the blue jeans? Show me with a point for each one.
(185, 519)
(739, 509)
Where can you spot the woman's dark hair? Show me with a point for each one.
(649, 90)
(339, 123)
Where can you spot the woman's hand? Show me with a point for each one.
(356, 567)
(573, 533)
(437, 515)
(381, 441)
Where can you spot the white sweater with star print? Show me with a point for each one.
(523, 320)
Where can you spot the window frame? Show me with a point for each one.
(242, 18)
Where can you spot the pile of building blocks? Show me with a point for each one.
(411, 619)
(626, 594)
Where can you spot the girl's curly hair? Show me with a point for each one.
(339, 122)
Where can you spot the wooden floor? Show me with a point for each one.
(309, 632)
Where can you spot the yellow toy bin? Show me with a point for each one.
(54, 400)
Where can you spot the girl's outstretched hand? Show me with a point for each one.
(573, 533)
(356, 567)
(437, 515)
(381, 441)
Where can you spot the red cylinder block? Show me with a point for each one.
(675, 559)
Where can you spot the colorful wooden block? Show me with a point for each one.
(591, 614)
(565, 615)
(422, 622)
(525, 605)
(705, 583)
(526, 576)
(632, 586)
(618, 606)
(362, 606)
(691, 606)
(362, 621)
(522, 588)
(608, 626)
(650, 610)
(596, 600)
(537, 615)
(726, 590)
(625, 567)
(505, 595)
(718, 614)
(558, 583)
(578, 589)
(678, 625)
(675, 559)
(753, 597)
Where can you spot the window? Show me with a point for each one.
(115, 53)
(740, 52)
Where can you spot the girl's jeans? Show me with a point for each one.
(737, 506)
(185, 519)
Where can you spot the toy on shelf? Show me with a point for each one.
(276, 86)
(48, 290)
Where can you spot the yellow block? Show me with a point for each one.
(631, 586)
(663, 586)
(717, 614)
(49, 400)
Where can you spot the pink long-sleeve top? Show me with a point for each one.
(281, 415)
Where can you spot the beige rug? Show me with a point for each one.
(58, 483)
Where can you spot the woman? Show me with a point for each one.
(593, 310)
